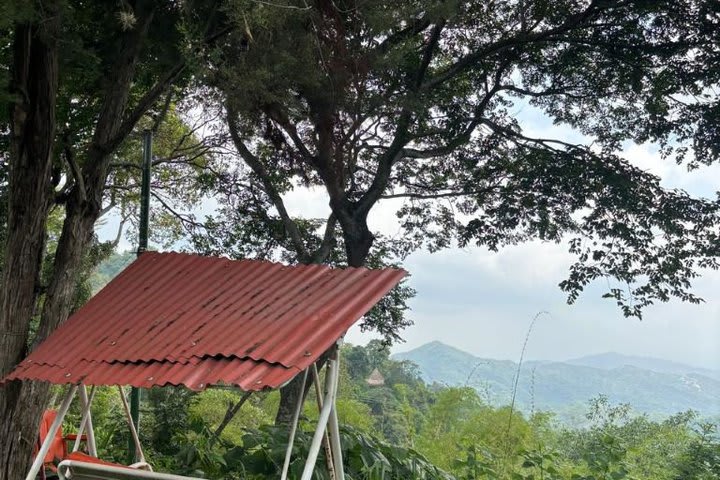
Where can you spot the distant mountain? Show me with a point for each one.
(566, 387)
(610, 361)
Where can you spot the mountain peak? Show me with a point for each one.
(649, 385)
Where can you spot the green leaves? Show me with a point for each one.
(418, 101)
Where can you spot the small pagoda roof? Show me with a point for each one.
(375, 379)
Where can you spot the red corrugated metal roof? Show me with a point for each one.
(173, 318)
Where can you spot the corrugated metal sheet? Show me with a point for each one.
(196, 374)
(173, 318)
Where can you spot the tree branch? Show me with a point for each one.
(394, 151)
(118, 237)
(163, 112)
(184, 220)
(259, 169)
(415, 27)
(276, 114)
(321, 254)
(522, 38)
(74, 168)
(430, 196)
(151, 96)
(229, 415)
(428, 53)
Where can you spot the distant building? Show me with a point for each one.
(375, 379)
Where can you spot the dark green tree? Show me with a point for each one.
(377, 100)
(81, 77)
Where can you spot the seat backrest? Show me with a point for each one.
(58, 448)
(77, 470)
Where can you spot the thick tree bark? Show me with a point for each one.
(358, 241)
(289, 395)
(31, 197)
(35, 83)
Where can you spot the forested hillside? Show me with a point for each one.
(109, 268)
(405, 429)
(440, 413)
(652, 387)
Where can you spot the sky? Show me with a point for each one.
(484, 302)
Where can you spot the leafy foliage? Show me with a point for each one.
(406, 429)
(418, 101)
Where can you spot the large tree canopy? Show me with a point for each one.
(369, 100)
(418, 100)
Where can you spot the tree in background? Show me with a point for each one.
(417, 101)
(368, 101)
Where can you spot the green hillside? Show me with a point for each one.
(109, 268)
(565, 387)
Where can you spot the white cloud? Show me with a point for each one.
(483, 302)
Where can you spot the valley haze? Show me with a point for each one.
(656, 387)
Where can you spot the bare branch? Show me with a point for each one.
(259, 169)
(515, 135)
(184, 219)
(229, 415)
(118, 236)
(69, 155)
(276, 113)
(430, 196)
(106, 209)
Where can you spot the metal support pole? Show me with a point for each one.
(334, 428)
(45, 447)
(142, 246)
(145, 192)
(134, 439)
(293, 428)
(86, 403)
(332, 372)
(326, 437)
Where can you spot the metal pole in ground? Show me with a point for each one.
(142, 246)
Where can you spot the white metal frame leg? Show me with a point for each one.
(131, 426)
(45, 447)
(333, 426)
(332, 373)
(86, 403)
(293, 428)
(326, 438)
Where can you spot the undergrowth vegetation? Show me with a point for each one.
(406, 429)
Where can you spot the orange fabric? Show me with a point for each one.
(58, 449)
(84, 457)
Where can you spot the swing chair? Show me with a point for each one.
(173, 319)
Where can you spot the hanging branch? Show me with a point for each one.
(229, 415)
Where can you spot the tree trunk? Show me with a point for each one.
(358, 241)
(35, 83)
(31, 195)
(289, 395)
